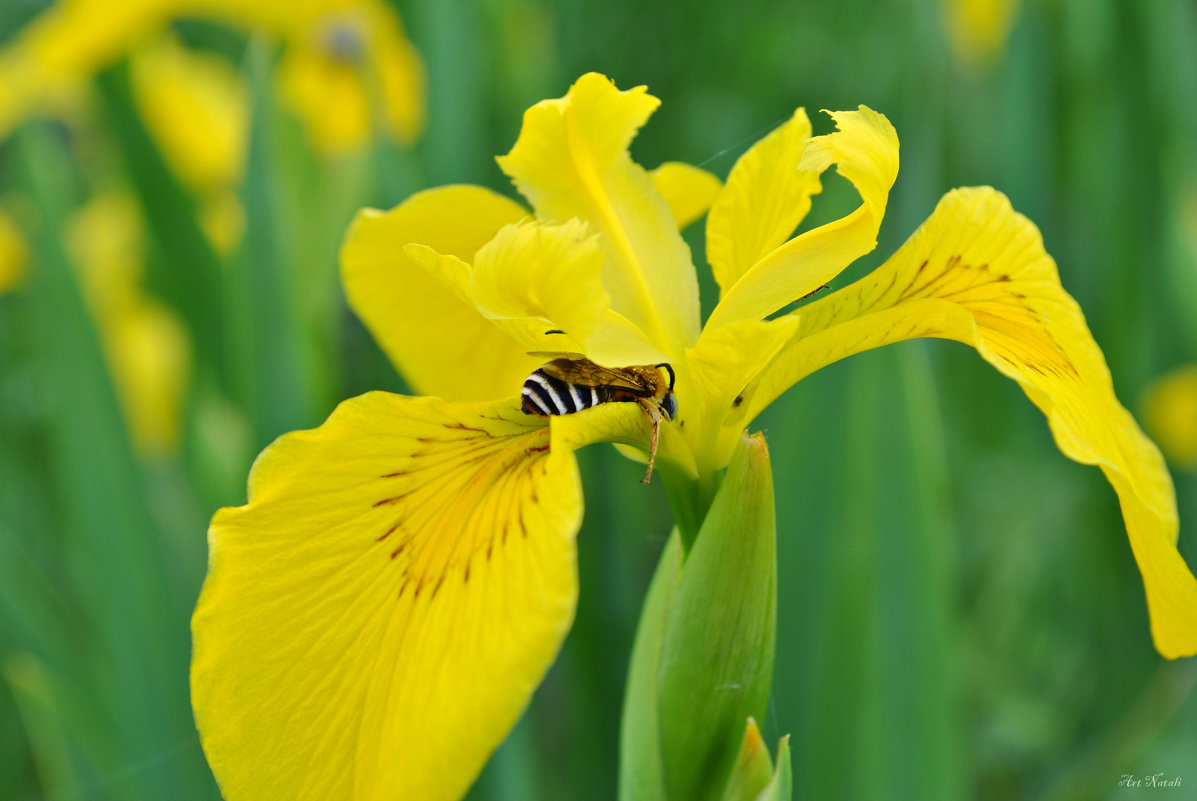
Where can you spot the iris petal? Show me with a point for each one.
(439, 342)
(765, 198)
(571, 160)
(377, 616)
(977, 272)
(865, 150)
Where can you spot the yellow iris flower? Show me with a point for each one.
(377, 616)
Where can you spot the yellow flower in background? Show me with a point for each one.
(978, 29)
(350, 73)
(347, 70)
(375, 619)
(57, 52)
(197, 107)
(14, 254)
(1170, 414)
(146, 345)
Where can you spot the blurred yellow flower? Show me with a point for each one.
(13, 253)
(197, 108)
(978, 29)
(147, 347)
(347, 71)
(63, 47)
(376, 617)
(350, 73)
(1170, 414)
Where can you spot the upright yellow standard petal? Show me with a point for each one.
(440, 343)
(571, 160)
(865, 150)
(764, 199)
(376, 617)
(977, 272)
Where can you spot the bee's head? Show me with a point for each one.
(669, 402)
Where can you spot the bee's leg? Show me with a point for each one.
(655, 416)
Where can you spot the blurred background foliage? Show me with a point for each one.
(959, 612)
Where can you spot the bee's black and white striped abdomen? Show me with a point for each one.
(543, 394)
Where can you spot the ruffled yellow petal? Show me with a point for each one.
(198, 110)
(865, 150)
(548, 275)
(571, 160)
(377, 616)
(977, 272)
(765, 198)
(439, 342)
(541, 285)
(688, 190)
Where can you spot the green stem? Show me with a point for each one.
(690, 500)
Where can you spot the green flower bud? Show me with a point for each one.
(716, 659)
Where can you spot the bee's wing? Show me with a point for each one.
(558, 354)
(585, 373)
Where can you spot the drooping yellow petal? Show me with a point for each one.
(688, 190)
(571, 160)
(977, 272)
(765, 198)
(378, 615)
(1170, 414)
(865, 150)
(441, 344)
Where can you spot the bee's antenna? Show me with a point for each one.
(672, 377)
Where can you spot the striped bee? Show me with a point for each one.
(568, 385)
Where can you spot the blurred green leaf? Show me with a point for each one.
(134, 652)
